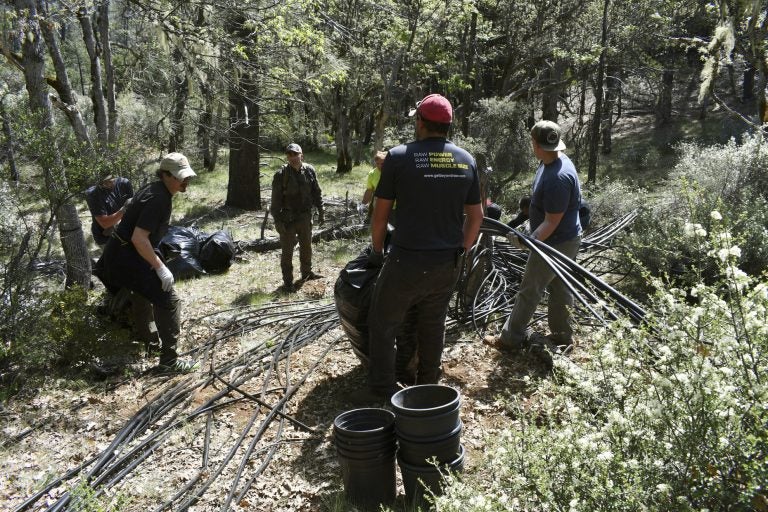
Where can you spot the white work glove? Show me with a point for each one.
(166, 278)
(516, 242)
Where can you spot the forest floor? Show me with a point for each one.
(48, 431)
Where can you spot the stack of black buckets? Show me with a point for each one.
(427, 428)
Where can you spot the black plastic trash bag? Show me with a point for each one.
(352, 294)
(180, 248)
(217, 252)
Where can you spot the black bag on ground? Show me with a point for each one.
(217, 252)
(352, 293)
(180, 248)
(585, 215)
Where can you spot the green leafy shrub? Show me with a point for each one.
(727, 178)
(500, 139)
(668, 416)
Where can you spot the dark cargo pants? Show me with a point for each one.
(415, 285)
(123, 267)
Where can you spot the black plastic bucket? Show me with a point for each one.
(426, 400)
(429, 411)
(420, 480)
(366, 444)
(438, 425)
(421, 450)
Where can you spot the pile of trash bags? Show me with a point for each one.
(190, 253)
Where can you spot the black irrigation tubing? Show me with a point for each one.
(504, 267)
(109, 464)
(196, 495)
(262, 403)
(635, 310)
(217, 473)
(67, 476)
(289, 392)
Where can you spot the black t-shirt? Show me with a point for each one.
(150, 210)
(103, 201)
(432, 180)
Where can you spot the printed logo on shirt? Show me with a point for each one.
(438, 161)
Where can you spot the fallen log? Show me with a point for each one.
(331, 233)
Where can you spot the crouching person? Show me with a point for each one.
(130, 259)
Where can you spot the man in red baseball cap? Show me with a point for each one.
(436, 186)
(435, 108)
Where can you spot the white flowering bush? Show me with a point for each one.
(671, 415)
(730, 179)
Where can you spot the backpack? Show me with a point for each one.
(585, 215)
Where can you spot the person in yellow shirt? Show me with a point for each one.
(372, 182)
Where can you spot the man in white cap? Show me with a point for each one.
(554, 220)
(436, 186)
(130, 259)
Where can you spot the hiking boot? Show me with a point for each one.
(498, 344)
(179, 366)
(553, 344)
(310, 276)
(287, 288)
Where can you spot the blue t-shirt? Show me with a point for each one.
(556, 189)
(432, 180)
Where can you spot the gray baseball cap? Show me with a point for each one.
(547, 136)
(293, 148)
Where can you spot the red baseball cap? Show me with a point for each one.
(434, 108)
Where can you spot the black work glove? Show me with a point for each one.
(375, 259)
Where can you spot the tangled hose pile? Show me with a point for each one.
(487, 289)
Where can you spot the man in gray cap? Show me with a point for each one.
(554, 220)
(294, 192)
(131, 260)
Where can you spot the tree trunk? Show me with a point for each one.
(469, 75)
(216, 137)
(9, 151)
(180, 97)
(109, 71)
(552, 89)
(97, 94)
(389, 85)
(613, 88)
(664, 103)
(343, 155)
(70, 228)
(68, 103)
(595, 128)
(204, 127)
(762, 102)
(748, 83)
(244, 188)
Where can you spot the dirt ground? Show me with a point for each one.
(51, 431)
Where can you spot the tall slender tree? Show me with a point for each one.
(78, 263)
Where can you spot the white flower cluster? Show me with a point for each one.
(669, 409)
(694, 230)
